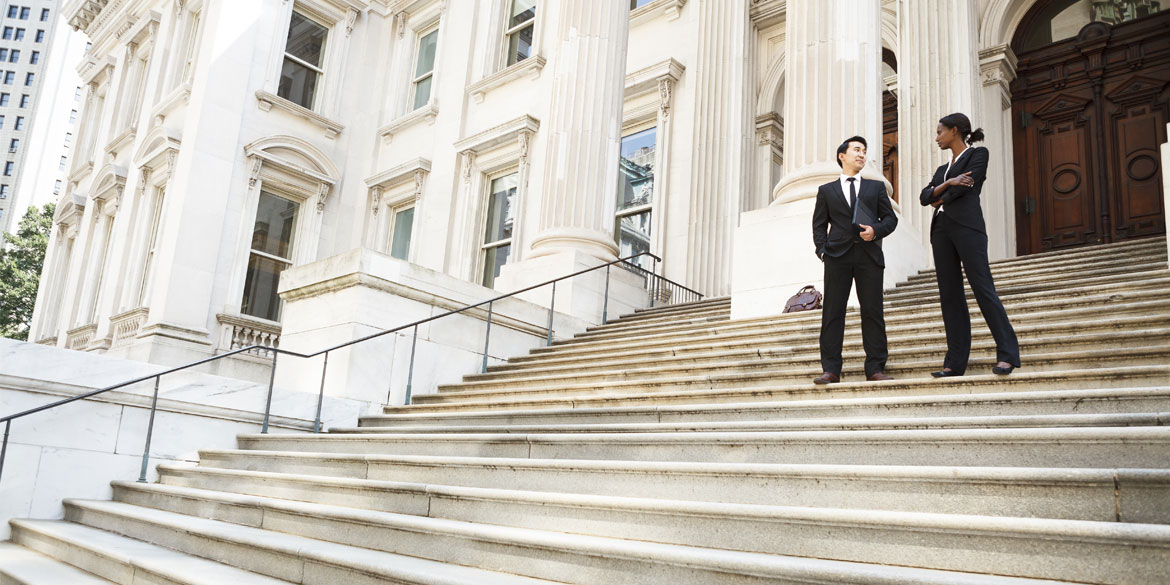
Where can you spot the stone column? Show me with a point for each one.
(997, 68)
(935, 78)
(579, 185)
(94, 265)
(1166, 178)
(833, 90)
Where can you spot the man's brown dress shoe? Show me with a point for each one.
(879, 377)
(827, 378)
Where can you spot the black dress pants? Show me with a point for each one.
(958, 248)
(840, 274)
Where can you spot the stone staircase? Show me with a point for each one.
(677, 447)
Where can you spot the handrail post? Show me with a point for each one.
(654, 283)
(410, 372)
(268, 402)
(321, 395)
(4, 447)
(551, 303)
(605, 303)
(149, 433)
(487, 336)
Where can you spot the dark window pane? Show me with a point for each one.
(499, 212)
(637, 3)
(260, 286)
(494, 258)
(522, 10)
(298, 84)
(426, 53)
(276, 218)
(403, 220)
(520, 45)
(306, 39)
(636, 169)
(422, 92)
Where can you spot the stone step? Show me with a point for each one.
(1106, 303)
(814, 424)
(1104, 401)
(124, 560)
(280, 557)
(411, 485)
(715, 303)
(1037, 285)
(22, 566)
(1149, 248)
(1139, 447)
(1078, 379)
(795, 370)
(1103, 263)
(565, 558)
(508, 526)
(1112, 346)
(1072, 321)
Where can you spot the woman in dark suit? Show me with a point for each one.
(959, 240)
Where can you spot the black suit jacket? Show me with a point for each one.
(832, 223)
(961, 204)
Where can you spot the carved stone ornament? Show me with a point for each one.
(665, 93)
(322, 195)
(350, 18)
(254, 172)
(418, 183)
(376, 199)
(468, 162)
(400, 21)
(525, 140)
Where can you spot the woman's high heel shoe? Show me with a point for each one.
(945, 373)
(1002, 371)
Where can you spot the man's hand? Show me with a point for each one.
(867, 232)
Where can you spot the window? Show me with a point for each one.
(4, 99)
(13, 145)
(1, 121)
(28, 79)
(639, 3)
(61, 165)
(155, 212)
(14, 56)
(40, 36)
(35, 58)
(400, 232)
(57, 186)
(12, 11)
(19, 123)
(9, 77)
(497, 239)
(521, 25)
(303, 53)
(24, 100)
(68, 138)
(425, 68)
(73, 116)
(272, 245)
(3, 54)
(77, 94)
(8, 168)
(24, 10)
(3, 191)
(636, 194)
(7, 33)
(44, 15)
(19, 34)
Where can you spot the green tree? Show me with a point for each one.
(20, 270)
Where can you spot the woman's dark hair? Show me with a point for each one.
(962, 123)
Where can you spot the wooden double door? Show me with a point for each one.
(1089, 118)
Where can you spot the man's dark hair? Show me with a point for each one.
(845, 148)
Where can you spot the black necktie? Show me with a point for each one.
(852, 194)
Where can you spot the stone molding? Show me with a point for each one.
(125, 326)
(122, 140)
(237, 331)
(78, 338)
(997, 67)
(267, 101)
(504, 133)
(670, 9)
(427, 113)
(169, 102)
(649, 79)
(531, 66)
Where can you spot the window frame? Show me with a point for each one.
(412, 99)
(628, 130)
(485, 205)
(319, 84)
(292, 247)
(515, 29)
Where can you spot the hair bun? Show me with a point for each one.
(975, 136)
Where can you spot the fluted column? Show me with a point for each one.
(938, 74)
(833, 90)
(720, 144)
(579, 185)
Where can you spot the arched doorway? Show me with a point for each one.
(1090, 106)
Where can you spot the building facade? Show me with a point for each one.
(500, 143)
(27, 31)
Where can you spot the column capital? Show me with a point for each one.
(997, 67)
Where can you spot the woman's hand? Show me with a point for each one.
(963, 180)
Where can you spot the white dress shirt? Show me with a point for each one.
(845, 185)
(948, 171)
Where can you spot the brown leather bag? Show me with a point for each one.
(807, 299)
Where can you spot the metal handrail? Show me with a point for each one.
(7, 420)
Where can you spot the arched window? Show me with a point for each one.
(1063, 19)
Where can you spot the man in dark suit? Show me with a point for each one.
(851, 217)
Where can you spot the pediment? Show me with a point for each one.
(1062, 106)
